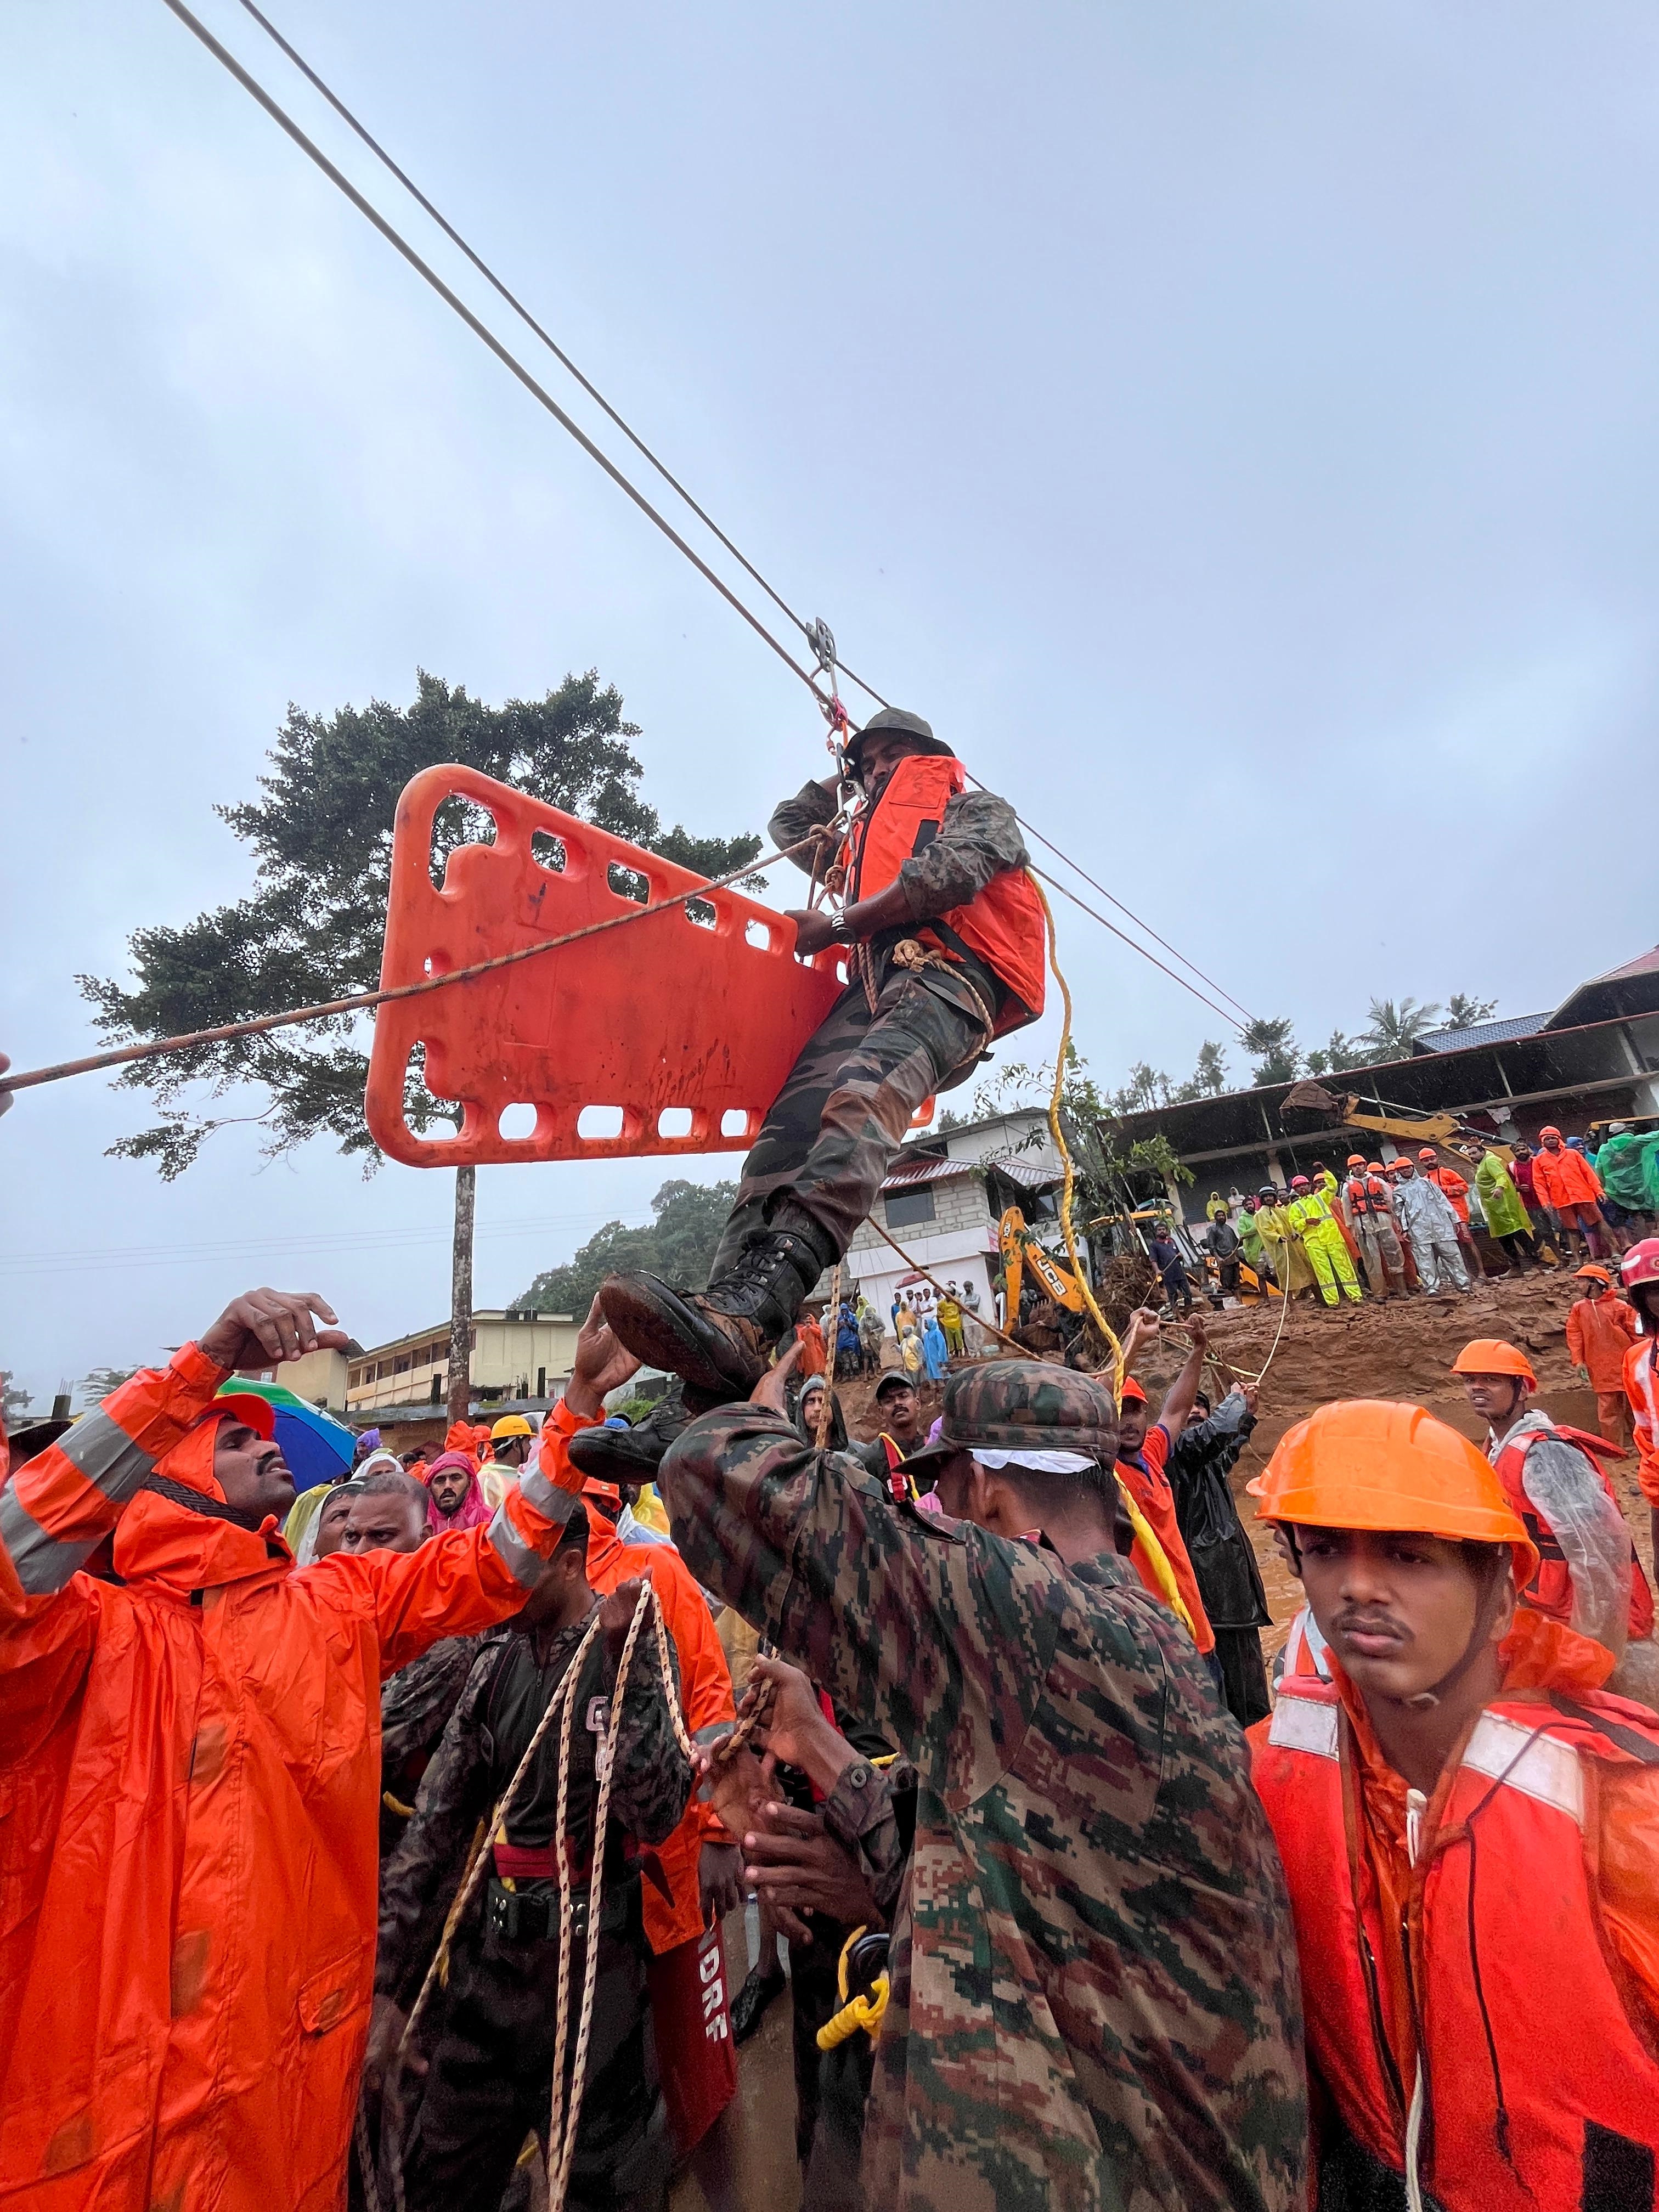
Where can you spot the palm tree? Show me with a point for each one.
(1395, 1030)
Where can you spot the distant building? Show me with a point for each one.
(942, 1202)
(320, 1377)
(516, 1354)
(1595, 1059)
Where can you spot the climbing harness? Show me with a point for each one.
(860, 1949)
(562, 2126)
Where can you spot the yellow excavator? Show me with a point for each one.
(1404, 1129)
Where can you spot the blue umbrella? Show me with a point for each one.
(316, 1447)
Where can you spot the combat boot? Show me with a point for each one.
(718, 1339)
(620, 1455)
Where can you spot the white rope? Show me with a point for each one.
(561, 2130)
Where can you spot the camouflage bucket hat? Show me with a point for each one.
(1022, 1405)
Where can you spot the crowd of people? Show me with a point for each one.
(377, 1850)
(993, 1801)
(1413, 1225)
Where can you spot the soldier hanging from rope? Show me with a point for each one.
(944, 937)
(490, 2077)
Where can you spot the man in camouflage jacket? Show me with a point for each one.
(911, 1022)
(1094, 2002)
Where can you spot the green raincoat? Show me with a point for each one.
(1500, 1201)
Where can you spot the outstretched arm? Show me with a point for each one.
(1178, 1400)
(59, 1506)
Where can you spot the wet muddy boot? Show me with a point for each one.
(720, 1340)
(619, 1456)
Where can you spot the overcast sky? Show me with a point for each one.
(1232, 425)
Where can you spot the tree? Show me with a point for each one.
(1338, 1052)
(311, 928)
(1395, 1029)
(1462, 1012)
(1209, 1078)
(15, 1401)
(97, 1386)
(1273, 1048)
(678, 1243)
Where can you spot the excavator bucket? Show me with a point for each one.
(672, 1034)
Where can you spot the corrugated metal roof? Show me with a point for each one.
(929, 1168)
(1516, 1025)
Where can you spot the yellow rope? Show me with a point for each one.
(855, 2013)
(1155, 1556)
(1065, 1151)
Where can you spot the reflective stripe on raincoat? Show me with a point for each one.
(190, 1770)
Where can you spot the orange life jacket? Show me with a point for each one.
(1369, 1195)
(1536, 2082)
(1002, 925)
(1550, 1591)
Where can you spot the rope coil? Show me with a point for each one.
(561, 1706)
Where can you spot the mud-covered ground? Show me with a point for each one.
(1392, 1348)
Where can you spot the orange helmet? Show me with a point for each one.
(1356, 1159)
(1596, 1274)
(1373, 1167)
(1549, 1129)
(1489, 1355)
(1427, 1152)
(1371, 1463)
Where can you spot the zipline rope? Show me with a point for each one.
(361, 1001)
(547, 339)
(828, 705)
(394, 237)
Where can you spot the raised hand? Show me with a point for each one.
(266, 1326)
(603, 1364)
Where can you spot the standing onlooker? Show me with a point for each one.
(1425, 1214)
(935, 1351)
(949, 1320)
(1601, 1329)
(1507, 1218)
(814, 1353)
(1224, 1559)
(1165, 1256)
(1222, 1243)
(1456, 1189)
(1565, 1181)
(869, 1335)
(1368, 1209)
(973, 1341)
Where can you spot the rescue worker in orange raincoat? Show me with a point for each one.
(944, 935)
(1469, 1826)
(1588, 1575)
(1565, 1181)
(1639, 1271)
(189, 1768)
(1601, 1329)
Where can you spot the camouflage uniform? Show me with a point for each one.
(847, 1103)
(492, 2066)
(1095, 2000)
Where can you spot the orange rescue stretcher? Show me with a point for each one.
(672, 1035)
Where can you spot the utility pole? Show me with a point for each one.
(460, 1296)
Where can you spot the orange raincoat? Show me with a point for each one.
(705, 1677)
(190, 1777)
